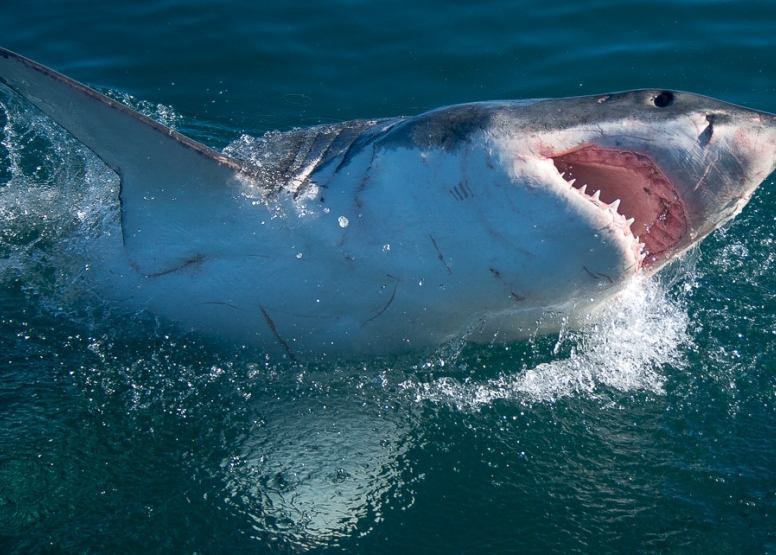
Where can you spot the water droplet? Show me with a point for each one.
(343, 221)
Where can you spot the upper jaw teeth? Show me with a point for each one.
(614, 205)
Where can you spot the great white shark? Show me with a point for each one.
(490, 220)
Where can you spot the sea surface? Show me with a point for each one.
(652, 431)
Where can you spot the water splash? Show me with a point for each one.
(57, 199)
(59, 205)
(161, 113)
(625, 349)
(325, 462)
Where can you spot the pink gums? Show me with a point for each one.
(645, 194)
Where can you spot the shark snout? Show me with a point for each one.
(736, 152)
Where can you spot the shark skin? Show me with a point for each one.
(490, 221)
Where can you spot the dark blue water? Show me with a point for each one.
(652, 432)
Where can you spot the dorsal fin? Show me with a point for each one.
(174, 190)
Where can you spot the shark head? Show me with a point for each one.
(680, 165)
(670, 167)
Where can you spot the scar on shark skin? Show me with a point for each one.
(596, 275)
(497, 275)
(461, 191)
(274, 330)
(442, 258)
(393, 295)
(221, 303)
(197, 260)
(363, 183)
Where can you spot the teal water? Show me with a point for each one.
(654, 431)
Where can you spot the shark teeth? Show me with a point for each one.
(619, 220)
(614, 207)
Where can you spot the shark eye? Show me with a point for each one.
(664, 99)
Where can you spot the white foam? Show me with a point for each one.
(59, 199)
(625, 349)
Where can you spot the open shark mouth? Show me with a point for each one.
(631, 185)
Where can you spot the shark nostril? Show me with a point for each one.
(705, 137)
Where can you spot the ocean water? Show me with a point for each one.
(651, 431)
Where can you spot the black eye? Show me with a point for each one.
(664, 99)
